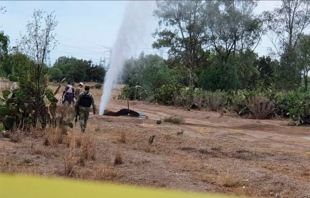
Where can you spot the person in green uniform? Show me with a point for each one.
(82, 107)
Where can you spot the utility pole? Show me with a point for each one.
(109, 49)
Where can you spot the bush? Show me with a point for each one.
(295, 105)
(214, 100)
(133, 93)
(260, 106)
(184, 98)
(166, 93)
(98, 86)
(174, 120)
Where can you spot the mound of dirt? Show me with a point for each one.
(122, 112)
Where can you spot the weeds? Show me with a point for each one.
(231, 183)
(88, 149)
(69, 165)
(53, 137)
(118, 158)
(174, 120)
(103, 174)
(122, 139)
(15, 136)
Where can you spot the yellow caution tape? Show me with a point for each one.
(21, 186)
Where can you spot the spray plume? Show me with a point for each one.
(135, 31)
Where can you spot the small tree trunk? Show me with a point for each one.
(306, 81)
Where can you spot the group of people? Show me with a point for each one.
(82, 102)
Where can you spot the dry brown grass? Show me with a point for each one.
(53, 137)
(69, 162)
(88, 147)
(122, 138)
(118, 158)
(15, 136)
(105, 173)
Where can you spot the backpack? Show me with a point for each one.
(86, 100)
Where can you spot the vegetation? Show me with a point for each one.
(211, 63)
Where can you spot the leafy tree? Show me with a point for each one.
(267, 71)
(287, 22)
(149, 71)
(24, 68)
(219, 76)
(183, 32)
(35, 44)
(77, 70)
(4, 43)
(231, 27)
(303, 57)
(55, 74)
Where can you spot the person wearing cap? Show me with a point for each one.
(82, 107)
(78, 90)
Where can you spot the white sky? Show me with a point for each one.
(85, 27)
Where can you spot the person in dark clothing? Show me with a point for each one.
(82, 107)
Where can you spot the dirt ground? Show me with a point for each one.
(209, 152)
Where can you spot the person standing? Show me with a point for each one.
(82, 107)
(68, 94)
(78, 91)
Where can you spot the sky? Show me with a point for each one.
(86, 29)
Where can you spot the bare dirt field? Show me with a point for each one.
(209, 152)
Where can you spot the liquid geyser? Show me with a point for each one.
(135, 31)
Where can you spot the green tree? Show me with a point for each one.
(267, 71)
(303, 57)
(231, 27)
(77, 70)
(4, 43)
(149, 71)
(35, 44)
(182, 33)
(286, 24)
(55, 74)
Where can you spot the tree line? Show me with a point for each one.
(215, 42)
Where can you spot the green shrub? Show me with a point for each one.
(166, 94)
(98, 86)
(13, 78)
(293, 104)
(214, 101)
(133, 93)
(184, 98)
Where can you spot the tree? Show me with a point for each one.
(267, 71)
(4, 43)
(303, 57)
(287, 22)
(77, 70)
(183, 31)
(231, 27)
(55, 74)
(35, 44)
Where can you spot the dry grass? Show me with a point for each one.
(229, 182)
(88, 147)
(15, 136)
(69, 165)
(118, 158)
(122, 138)
(174, 120)
(53, 137)
(105, 174)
